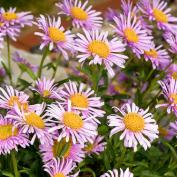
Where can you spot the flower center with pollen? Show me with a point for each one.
(174, 75)
(13, 100)
(35, 120)
(99, 48)
(131, 35)
(79, 100)
(9, 16)
(79, 13)
(6, 131)
(134, 122)
(89, 147)
(56, 35)
(160, 16)
(151, 53)
(59, 175)
(72, 120)
(46, 93)
(174, 97)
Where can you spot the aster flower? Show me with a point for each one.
(158, 56)
(156, 10)
(54, 35)
(96, 147)
(110, 14)
(132, 33)
(82, 99)
(46, 88)
(9, 97)
(83, 16)
(96, 46)
(115, 173)
(169, 88)
(11, 137)
(11, 17)
(173, 128)
(18, 59)
(31, 121)
(72, 151)
(171, 39)
(71, 124)
(172, 72)
(60, 168)
(138, 126)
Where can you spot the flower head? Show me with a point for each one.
(54, 35)
(82, 15)
(11, 137)
(115, 173)
(171, 39)
(71, 124)
(110, 14)
(173, 128)
(172, 72)
(96, 46)
(138, 126)
(60, 168)
(132, 33)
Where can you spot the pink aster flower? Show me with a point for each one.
(11, 17)
(158, 56)
(156, 10)
(169, 89)
(82, 15)
(95, 45)
(96, 147)
(72, 151)
(132, 33)
(115, 173)
(138, 126)
(9, 97)
(71, 124)
(172, 71)
(60, 168)
(173, 128)
(54, 35)
(171, 39)
(82, 99)
(46, 88)
(128, 7)
(32, 121)
(110, 14)
(11, 137)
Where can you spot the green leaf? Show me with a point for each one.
(6, 173)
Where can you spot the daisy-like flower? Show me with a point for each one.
(60, 168)
(115, 173)
(72, 151)
(46, 88)
(156, 10)
(82, 15)
(138, 126)
(172, 71)
(31, 121)
(171, 39)
(11, 17)
(158, 56)
(82, 99)
(132, 33)
(54, 35)
(169, 89)
(71, 124)
(173, 128)
(95, 45)
(11, 137)
(110, 14)
(9, 97)
(96, 147)
(128, 7)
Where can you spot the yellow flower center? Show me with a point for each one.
(56, 35)
(134, 122)
(9, 16)
(174, 75)
(174, 97)
(99, 48)
(13, 100)
(79, 13)
(35, 120)
(163, 131)
(79, 100)
(160, 16)
(6, 131)
(59, 175)
(1, 24)
(131, 35)
(151, 53)
(89, 147)
(46, 93)
(72, 120)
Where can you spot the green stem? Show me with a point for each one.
(14, 163)
(42, 62)
(9, 60)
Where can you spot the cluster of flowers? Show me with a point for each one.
(67, 128)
